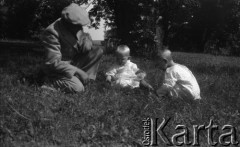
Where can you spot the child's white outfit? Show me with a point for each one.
(180, 82)
(125, 75)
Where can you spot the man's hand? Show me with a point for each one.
(83, 76)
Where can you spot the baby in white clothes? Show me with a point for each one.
(124, 72)
(179, 81)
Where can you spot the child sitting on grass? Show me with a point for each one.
(179, 81)
(124, 72)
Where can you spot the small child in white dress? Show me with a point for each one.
(124, 72)
(179, 81)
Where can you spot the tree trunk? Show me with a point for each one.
(159, 36)
(204, 40)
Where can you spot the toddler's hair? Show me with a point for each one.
(123, 50)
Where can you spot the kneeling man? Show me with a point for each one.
(71, 59)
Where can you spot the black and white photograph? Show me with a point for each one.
(119, 73)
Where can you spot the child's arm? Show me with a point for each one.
(135, 68)
(139, 71)
(146, 85)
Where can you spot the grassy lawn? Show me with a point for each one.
(110, 116)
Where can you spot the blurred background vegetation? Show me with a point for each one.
(204, 26)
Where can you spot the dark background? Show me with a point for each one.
(203, 26)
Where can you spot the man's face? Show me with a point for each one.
(72, 27)
(75, 28)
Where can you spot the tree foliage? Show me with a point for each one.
(25, 18)
(135, 21)
(187, 25)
